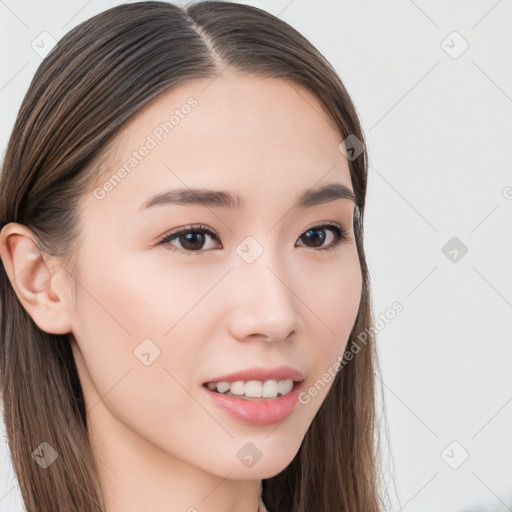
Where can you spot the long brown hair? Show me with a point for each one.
(98, 75)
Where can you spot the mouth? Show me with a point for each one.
(257, 396)
(254, 390)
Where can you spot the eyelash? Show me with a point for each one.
(341, 234)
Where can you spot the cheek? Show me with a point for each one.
(137, 298)
(331, 308)
(330, 296)
(133, 368)
(138, 323)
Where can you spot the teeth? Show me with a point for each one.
(285, 386)
(253, 388)
(270, 389)
(236, 388)
(222, 387)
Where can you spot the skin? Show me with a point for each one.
(160, 444)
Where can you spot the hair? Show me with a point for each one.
(97, 76)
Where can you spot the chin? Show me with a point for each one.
(259, 457)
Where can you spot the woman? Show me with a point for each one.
(184, 279)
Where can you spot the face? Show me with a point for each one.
(173, 295)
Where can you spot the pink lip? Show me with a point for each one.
(262, 374)
(265, 411)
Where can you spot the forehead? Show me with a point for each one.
(245, 133)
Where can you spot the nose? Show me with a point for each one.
(263, 303)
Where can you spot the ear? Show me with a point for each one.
(40, 289)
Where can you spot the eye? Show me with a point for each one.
(316, 235)
(192, 238)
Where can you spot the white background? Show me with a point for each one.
(438, 130)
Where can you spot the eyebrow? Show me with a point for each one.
(218, 198)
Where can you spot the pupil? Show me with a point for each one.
(315, 237)
(190, 238)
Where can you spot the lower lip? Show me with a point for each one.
(257, 412)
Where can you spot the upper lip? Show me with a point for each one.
(262, 374)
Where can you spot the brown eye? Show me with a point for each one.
(191, 239)
(316, 236)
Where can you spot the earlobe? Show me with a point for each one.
(37, 285)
